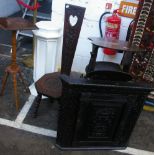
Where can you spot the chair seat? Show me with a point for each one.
(50, 84)
(107, 66)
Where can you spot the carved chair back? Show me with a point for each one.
(72, 25)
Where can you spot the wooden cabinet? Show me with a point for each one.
(98, 114)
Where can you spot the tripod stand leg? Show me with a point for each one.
(15, 91)
(4, 83)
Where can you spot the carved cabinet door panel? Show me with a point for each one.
(98, 119)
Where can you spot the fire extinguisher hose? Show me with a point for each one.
(100, 22)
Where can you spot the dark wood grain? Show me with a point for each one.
(115, 44)
(97, 114)
(16, 23)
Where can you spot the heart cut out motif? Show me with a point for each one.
(73, 20)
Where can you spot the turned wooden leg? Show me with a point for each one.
(23, 81)
(4, 83)
(37, 104)
(15, 91)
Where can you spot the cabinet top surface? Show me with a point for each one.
(115, 44)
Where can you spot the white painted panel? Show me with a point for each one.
(123, 33)
(51, 56)
(125, 21)
(89, 29)
(95, 9)
(100, 55)
(57, 15)
(84, 47)
(82, 3)
(59, 5)
(45, 55)
(80, 63)
(124, 27)
(41, 45)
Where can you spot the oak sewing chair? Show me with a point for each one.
(50, 84)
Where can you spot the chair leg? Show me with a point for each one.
(37, 104)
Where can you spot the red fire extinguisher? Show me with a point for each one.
(112, 30)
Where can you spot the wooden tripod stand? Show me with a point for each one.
(14, 24)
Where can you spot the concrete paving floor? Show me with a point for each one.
(20, 139)
(24, 143)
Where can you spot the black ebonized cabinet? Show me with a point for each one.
(98, 114)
